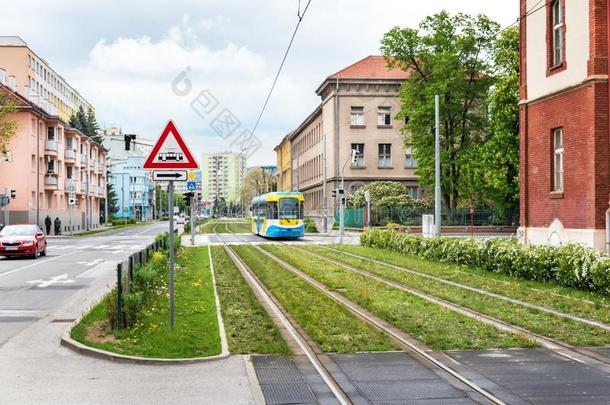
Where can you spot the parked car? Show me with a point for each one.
(23, 240)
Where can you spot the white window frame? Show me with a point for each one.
(357, 115)
(558, 160)
(384, 155)
(410, 161)
(384, 116)
(557, 32)
(359, 158)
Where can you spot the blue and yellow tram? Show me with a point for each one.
(278, 215)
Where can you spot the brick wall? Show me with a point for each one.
(583, 114)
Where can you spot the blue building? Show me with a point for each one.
(133, 187)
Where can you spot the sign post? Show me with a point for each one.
(193, 199)
(172, 158)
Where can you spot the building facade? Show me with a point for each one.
(357, 112)
(564, 114)
(47, 160)
(35, 80)
(222, 175)
(133, 186)
(284, 164)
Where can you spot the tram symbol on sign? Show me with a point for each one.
(171, 157)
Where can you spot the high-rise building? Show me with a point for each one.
(222, 175)
(33, 78)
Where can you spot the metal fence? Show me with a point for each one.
(355, 217)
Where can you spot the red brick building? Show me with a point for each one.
(565, 138)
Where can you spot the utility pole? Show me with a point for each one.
(324, 197)
(437, 174)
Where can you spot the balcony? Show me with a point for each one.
(50, 147)
(70, 156)
(83, 187)
(101, 191)
(92, 164)
(70, 185)
(83, 159)
(50, 181)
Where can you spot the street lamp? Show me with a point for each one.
(352, 159)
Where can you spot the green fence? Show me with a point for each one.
(355, 217)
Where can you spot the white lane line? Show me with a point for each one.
(18, 313)
(36, 263)
(100, 247)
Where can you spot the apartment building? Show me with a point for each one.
(222, 175)
(35, 80)
(565, 137)
(284, 164)
(46, 161)
(133, 186)
(357, 112)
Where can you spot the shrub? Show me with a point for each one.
(310, 225)
(570, 266)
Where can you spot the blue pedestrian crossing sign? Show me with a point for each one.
(191, 185)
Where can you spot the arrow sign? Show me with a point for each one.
(61, 279)
(170, 152)
(165, 175)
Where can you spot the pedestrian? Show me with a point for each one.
(47, 224)
(57, 226)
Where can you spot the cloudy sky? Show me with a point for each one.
(124, 55)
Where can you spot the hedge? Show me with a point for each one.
(570, 265)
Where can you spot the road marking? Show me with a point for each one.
(91, 262)
(100, 247)
(61, 279)
(34, 264)
(18, 313)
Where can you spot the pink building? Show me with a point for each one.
(47, 159)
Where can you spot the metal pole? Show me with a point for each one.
(437, 154)
(6, 207)
(37, 171)
(193, 199)
(341, 208)
(324, 197)
(70, 220)
(171, 256)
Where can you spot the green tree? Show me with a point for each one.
(220, 207)
(494, 173)
(8, 127)
(449, 55)
(386, 194)
(179, 202)
(78, 120)
(92, 129)
(256, 182)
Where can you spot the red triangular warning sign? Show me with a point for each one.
(170, 152)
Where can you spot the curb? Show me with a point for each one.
(68, 342)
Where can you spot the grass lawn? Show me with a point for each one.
(114, 227)
(333, 327)
(248, 327)
(239, 227)
(438, 327)
(573, 332)
(569, 300)
(196, 327)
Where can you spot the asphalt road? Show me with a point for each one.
(30, 289)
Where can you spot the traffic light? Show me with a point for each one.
(128, 138)
(187, 198)
(13, 193)
(334, 193)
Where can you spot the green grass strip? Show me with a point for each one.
(570, 301)
(567, 330)
(196, 328)
(248, 327)
(432, 324)
(333, 327)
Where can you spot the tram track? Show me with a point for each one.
(438, 362)
(579, 354)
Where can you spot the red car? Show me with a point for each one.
(23, 240)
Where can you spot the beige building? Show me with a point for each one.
(34, 79)
(357, 112)
(221, 175)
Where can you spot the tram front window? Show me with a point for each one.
(290, 208)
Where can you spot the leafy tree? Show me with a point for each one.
(8, 127)
(256, 182)
(449, 55)
(112, 198)
(78, 120)
(386, 194)
(220, 207)
(180, 202)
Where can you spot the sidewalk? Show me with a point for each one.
(35, 369)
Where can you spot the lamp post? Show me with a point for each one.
(351, 158)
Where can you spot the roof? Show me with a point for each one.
(371, 67)
(11, 40)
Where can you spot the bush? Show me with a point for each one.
(310, 225)
(570, 266)
(122, 221)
